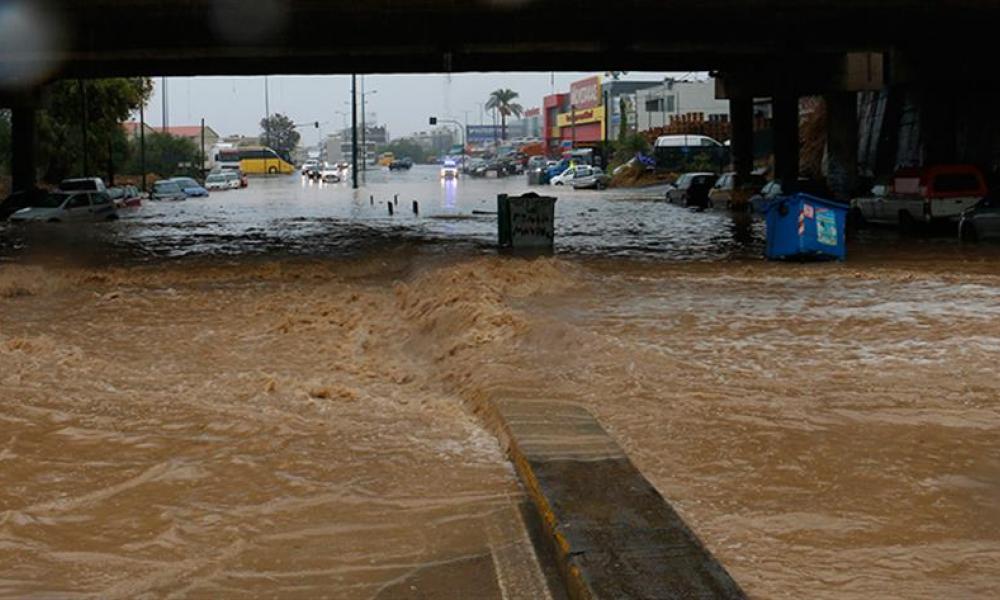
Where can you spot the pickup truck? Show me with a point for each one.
(923, 195)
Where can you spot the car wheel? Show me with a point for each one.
(558, 183)
(54, 221)
(967, 232)
(112, 217)
(272, 170)
(601, 185)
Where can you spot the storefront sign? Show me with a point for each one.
(590, 115)
(586, 93)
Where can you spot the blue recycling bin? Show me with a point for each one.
(802, 226)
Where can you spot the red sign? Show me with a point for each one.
(586, 93)
(532, 112)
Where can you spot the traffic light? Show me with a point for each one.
(433, 120)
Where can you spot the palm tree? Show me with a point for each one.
(502, 101)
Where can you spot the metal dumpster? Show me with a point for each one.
(802, 226)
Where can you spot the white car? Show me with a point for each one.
(232, 180)
(167, 190)
(330, 174)
(59, 207)
(309, 164)
(565, 177)
(449, 170)
(216, 182)
(83, 184)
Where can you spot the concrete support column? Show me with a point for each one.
(741, 117)
(842, 143)
(786, 137)
(23, 165)
(938, 126)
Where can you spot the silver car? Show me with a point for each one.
(59, 207)
(167, 190)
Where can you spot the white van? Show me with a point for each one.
(686, 141)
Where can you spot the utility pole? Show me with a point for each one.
(201, 167)
(142, 143)
(572, 122)
(364, 133)
(163, 88)
(354, 130)
(267, 122)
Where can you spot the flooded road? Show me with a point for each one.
(275, 392)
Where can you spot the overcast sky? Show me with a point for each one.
(235, 105)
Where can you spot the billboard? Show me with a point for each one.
(583, 116)
(478, 134)
(586, 93)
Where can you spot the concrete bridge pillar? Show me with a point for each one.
(842, 143)
(786, 137)
(23, 159)
(741, 117)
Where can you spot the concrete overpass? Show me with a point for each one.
(777, 48)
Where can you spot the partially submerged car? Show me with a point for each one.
(62, 206)
(691, 189)
(21, 199)
(217, 182)
(923, 195)
(167, 190)
(981, 222)
(190, 187)
(590, 178)
(731, 193)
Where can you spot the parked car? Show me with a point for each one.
(775, 188)
(927, 194)
(167, 190)
(219, 181)
(240, 175)
(981, 222)
(590, 178)
(568, 174)
(691, 189)
(132, 197)
(21, 199)
(62, 206)
(190, 187)
(726, 194)
(83, 184)
(400, 164)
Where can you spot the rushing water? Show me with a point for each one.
(274, 392)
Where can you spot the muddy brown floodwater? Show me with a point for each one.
(245, 424)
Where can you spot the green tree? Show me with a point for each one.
(278, 133)
(623, 106)
(165, 155)
(503, 101)
(406, 147)
(110, 102)
(629, 146)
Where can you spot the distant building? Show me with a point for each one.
(655, 106)
(132, 129)
(529, 125)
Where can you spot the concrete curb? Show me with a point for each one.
(612, 534)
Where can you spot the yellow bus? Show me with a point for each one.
(385, 159)
(255, 160)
